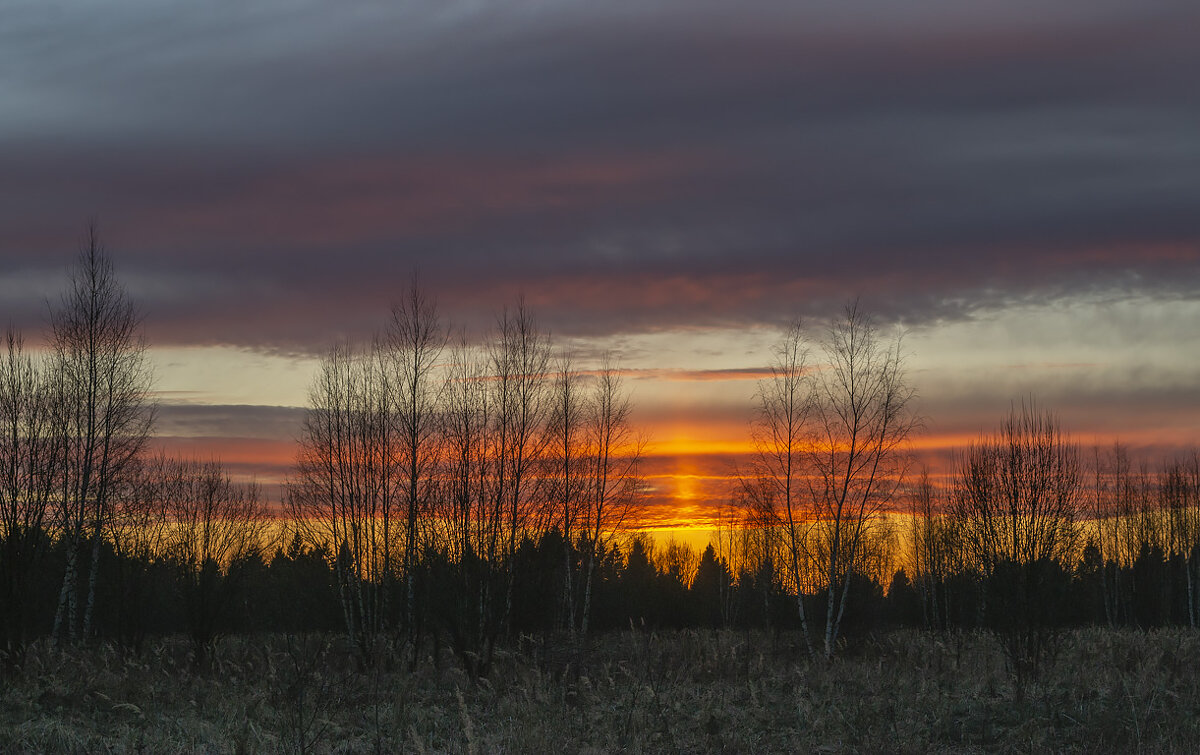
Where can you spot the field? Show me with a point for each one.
(1110, 691)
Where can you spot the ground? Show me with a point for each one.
(690, 691)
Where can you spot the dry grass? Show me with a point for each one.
(628, 692)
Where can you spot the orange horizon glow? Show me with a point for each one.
(690, 470)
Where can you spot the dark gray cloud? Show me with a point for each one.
(239, 421)
(270, 175)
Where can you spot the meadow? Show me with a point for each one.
(630, 691)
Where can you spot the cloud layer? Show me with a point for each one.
(270, 176)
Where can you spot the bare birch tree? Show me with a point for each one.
(101, 357)
(563, 474)
(416, 340)
(613, 484)
(497, 404)
(345, 487)
(469, 524)
(781, 435)
(1179, 500)
(862, 417)
(1106, 523)
(519, 360)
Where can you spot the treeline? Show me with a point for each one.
(1117, 545)
(453, 492)
(1026, 536)
(425, 469)
(292, 587)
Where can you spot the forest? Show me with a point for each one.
(467, 509)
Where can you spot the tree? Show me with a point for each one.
(781, 435)
(1108, 483)
(1127, 520)
(1016, 503)
(731, 545)
(932, 552)
(861, 417)
(216, 527)
(30, 465)
(563, 475)
(519, 359)
(1179, 499)
(138, 531)
(709, 586)
(344, 493)
(613, 484)
(638, 580)
(753, 543)
(368, 465)
(470, 526)
(100, 356)
(416, 340)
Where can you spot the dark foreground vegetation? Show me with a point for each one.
(630, 691)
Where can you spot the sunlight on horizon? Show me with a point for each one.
(693, 389)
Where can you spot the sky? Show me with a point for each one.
(1014, 185)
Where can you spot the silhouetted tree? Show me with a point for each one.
(345, 492)
(710, 584)
(782, 437)
(138, 533)
(1109, 507)
(932, 552)
(612, 482)
(862, 418)
(494, 444)
(1151, 602)
(415, 339)
(563, 476)
(466, 564)
(518, 358)
(1179, 499)
(1016, 503)
(637, 583)
(31, 447)
(100, 357)
(217, 533)
(905, 604)
(299, 592)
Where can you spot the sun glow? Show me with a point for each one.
(696, 445)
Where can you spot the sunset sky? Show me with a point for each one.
(1017, 187)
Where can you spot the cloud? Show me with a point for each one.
(272, 175)
(267, 462)
(277, 423)
(733, 373)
